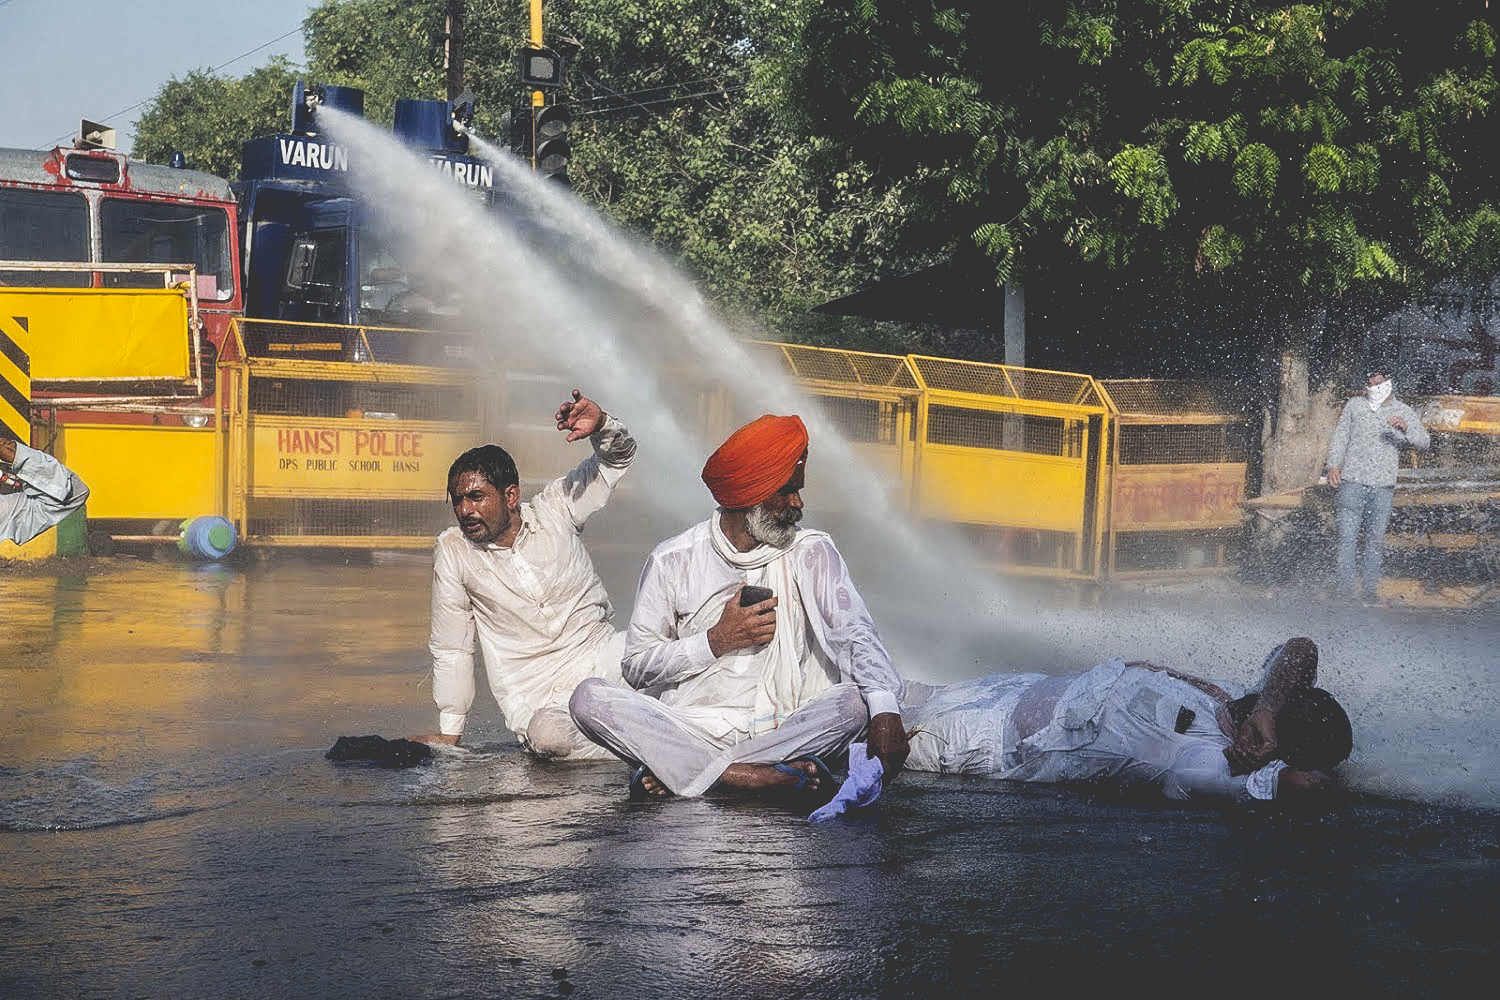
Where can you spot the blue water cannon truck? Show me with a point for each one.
(314, 249)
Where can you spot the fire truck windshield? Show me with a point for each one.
(150, 232)
(43, 225)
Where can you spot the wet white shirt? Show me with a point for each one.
(538, 608)
(824, 633)
(1114, 722)
(49, 493)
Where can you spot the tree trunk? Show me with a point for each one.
(1298, 420)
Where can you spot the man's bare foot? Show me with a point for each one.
(799, 776)
(645, 785)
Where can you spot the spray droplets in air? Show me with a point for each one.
(555, 288)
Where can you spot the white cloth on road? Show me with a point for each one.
(860, 789)
(538, 608)
(688, 759)
(49, 492)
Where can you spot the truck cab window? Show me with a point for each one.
(44, 225)
(315, 270)
(146, 232)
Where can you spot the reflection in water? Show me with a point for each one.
(164, 801)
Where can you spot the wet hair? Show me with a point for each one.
(489, 460)
(1312, 729)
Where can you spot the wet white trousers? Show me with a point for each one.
(639, 729)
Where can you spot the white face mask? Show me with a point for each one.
(1378, 393)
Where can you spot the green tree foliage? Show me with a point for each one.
(208, 117)
(684, 133)
(1310, 148)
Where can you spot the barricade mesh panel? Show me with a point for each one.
(1025, 432)
(1175, 551)
(387, 345)
(352, 519)
(1005, 381)
(337, 398)
(1021, 547)
(826, 364)
(1173, 397)
(1181, 444)
(871, 421)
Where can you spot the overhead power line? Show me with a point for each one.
(215, 69)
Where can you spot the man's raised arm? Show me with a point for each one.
(1292, 667)
(585, 490)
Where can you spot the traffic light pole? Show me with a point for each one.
(538, 99)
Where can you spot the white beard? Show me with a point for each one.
(766, 530)
(1378, 394)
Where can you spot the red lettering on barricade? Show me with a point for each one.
(296, 441)
(1185, 497)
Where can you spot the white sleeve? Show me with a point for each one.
(49, 493)
(654, 654)
(585, 490)
(844, 626)
(451, 643)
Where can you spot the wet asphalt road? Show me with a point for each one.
(169, 828)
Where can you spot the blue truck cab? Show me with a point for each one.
(314, 252)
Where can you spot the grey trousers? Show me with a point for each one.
(639, 729)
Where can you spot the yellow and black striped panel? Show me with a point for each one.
(15, 380)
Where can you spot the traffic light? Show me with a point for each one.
(552, 151)
(519, 120)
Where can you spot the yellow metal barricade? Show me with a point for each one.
(1177, 476)
(342, 436)
(870, 399)
(1014, 456)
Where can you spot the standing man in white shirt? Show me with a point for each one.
(517, 576)
(36, 491)
(740, 690)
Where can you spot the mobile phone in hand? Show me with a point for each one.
(750, 594)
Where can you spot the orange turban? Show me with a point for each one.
(757, 460)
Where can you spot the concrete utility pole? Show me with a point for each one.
(453, 48)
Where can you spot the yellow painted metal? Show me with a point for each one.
(1009, 489)
(1177, 475)
(1463, 414)
(100, 334)
(15, 390)
(1012, 456)
(332, 453)
(143, 471)
(41, 547)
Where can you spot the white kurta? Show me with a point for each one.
(824, 633)
(1114, 722)
(49, 493)
(537, 608)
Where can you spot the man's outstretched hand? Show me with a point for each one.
(444, 738)
(887, 740)
(580, 416)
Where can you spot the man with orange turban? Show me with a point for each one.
(751, 652)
